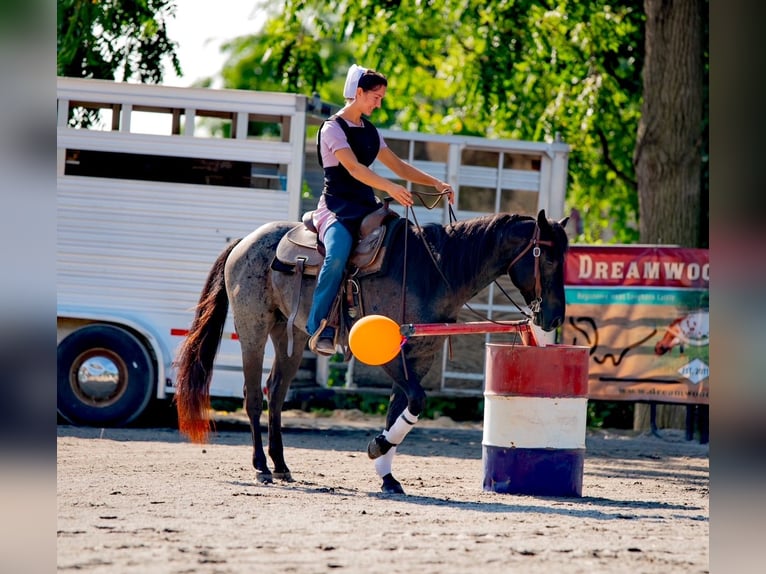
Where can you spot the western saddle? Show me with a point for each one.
(299, 252)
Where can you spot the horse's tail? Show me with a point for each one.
(194, 362)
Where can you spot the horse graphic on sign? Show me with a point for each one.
(692, 329)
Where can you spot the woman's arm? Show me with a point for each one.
(364, 174)
(411, 173)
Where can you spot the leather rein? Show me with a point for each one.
(534, 244)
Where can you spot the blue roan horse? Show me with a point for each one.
(471, 254)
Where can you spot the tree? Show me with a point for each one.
(671, 138)
(497, 68)
(284, 56)
(114, 39)
(671, 134)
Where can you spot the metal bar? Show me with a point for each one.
(427, 329)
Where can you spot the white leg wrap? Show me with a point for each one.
(402, 425)
(384, 463)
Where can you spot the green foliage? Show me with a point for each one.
(499, 68)
(368, 403)
(458, 409)
(616, 415)
(286, 56)
(306, 192)
(600, 414)
(227, 404)
(115, 40)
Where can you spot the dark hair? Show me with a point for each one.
(371, 80)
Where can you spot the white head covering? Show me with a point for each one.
(352, 81)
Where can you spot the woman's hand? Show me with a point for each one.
(444, 187)
(401, 195)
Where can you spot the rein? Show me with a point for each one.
(452, 220)
(534, 243)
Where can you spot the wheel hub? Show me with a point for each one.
(97, 380)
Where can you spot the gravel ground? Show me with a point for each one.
(144, 500)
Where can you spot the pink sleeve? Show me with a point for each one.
(332, 139)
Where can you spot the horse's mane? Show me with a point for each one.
(459, 248)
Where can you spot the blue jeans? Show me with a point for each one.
(338, 243)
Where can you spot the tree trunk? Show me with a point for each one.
(667, 157)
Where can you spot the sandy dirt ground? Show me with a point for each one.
(144, 500)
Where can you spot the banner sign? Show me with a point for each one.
(644, 312)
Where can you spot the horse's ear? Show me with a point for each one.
(563, 222)
(542, 220)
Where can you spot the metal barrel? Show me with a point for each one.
(535, 409)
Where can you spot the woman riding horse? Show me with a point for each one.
(348, 145)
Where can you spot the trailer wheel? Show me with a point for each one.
(105, 376)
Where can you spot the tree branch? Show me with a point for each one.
(610, 164)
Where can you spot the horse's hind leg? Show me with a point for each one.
(252, 362)
(283, 371)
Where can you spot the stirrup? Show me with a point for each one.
(316, 344)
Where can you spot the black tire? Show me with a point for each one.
(105, 376)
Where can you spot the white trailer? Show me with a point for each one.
(141, 218)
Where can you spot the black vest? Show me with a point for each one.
(347, 197)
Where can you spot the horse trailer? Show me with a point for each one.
(140, 217)
(154, 181)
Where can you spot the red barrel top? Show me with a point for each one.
(550, 371)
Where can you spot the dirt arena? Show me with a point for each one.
(144, 500)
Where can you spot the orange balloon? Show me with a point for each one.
(375, 339)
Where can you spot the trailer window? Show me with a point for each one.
(142, 119)
(175, 169)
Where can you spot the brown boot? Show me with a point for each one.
(323, 341)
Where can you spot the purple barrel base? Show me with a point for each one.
(533, 471)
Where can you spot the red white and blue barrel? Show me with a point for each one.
(535, 409)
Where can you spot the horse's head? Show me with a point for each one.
(537, 270)
(668, 341)
(674, 335)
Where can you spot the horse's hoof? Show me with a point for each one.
(378, 446)
(285, 476)
(264, 477)
(391, 485)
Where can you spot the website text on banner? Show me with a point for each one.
(644, 312)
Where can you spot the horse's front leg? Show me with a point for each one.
(404, 409)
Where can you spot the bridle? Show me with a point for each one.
(534, 244)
